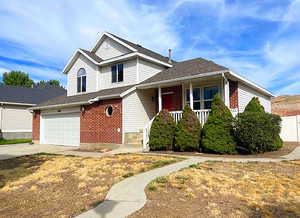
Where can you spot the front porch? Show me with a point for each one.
(174, 96)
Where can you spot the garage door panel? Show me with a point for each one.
(61, 129)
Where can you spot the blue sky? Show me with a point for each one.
(259, 39)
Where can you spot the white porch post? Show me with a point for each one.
(159, 100)
(226, 92)
(191, 96)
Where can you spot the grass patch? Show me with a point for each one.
(128, 175)
(14, 141)
(152, 187)
(161, 163)
(161, 179)
(182, 179)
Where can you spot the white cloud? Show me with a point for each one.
(52, 30)
(3, 70)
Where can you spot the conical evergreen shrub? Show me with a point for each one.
(162, 132)
(217, 134)
(254, 106)
(188, 131)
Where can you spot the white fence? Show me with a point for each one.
(290, 129)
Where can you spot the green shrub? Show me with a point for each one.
(188, 131)
(257, 131)
(162, 132)
(254, 106)
(217, 134)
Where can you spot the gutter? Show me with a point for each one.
(12, 103)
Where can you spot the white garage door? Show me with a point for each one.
(61, 129)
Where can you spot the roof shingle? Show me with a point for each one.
(64, 99)
(16, 94)
(186, 68)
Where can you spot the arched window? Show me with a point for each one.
(81, 80)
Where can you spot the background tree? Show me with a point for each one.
(188, 131)
(17, 78)
(217, 134)
(49, 83)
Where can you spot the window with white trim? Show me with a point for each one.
(117, 73)
(202, 97)
(81, 80)
(196, 98)
(209, 93)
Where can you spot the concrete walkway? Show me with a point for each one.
(128, 196)
(17, 150)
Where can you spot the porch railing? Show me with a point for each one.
(201, 114)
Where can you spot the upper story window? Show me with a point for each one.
(202, 97)
(81, 80)
(117, 73)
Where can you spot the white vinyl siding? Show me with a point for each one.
(15, 119)
(138, 109)
(91, 76)
(110, 48)
(147, 69)
(129, 75)
(246, 93)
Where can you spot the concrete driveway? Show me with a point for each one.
(16, 150)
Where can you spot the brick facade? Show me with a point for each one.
(36, 125)
(233, 94)
(175, 95)
(97, 127)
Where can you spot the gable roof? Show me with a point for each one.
(184, 69)
(30, 96)
(144, 51)
(83, 98)
(92, 55)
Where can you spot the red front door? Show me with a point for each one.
(167, 102)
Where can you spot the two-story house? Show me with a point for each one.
(115, 90)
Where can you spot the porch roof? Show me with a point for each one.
(184, 69)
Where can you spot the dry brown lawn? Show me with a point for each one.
(218, 189)
(64, 186)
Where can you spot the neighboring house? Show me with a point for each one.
(15, 119)
(286, 105)
(115, 90)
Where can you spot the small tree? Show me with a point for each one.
(17, 78)
(188, 131)
(162, 132)
(217, 134)
(257, 131)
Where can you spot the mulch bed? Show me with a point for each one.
(287, 148)
(64, 186)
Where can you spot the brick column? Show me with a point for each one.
(36, 126)
(233, 94)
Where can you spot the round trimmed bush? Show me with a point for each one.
(217, 134)
(257, 131)
(188, 131)
(162, 132)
